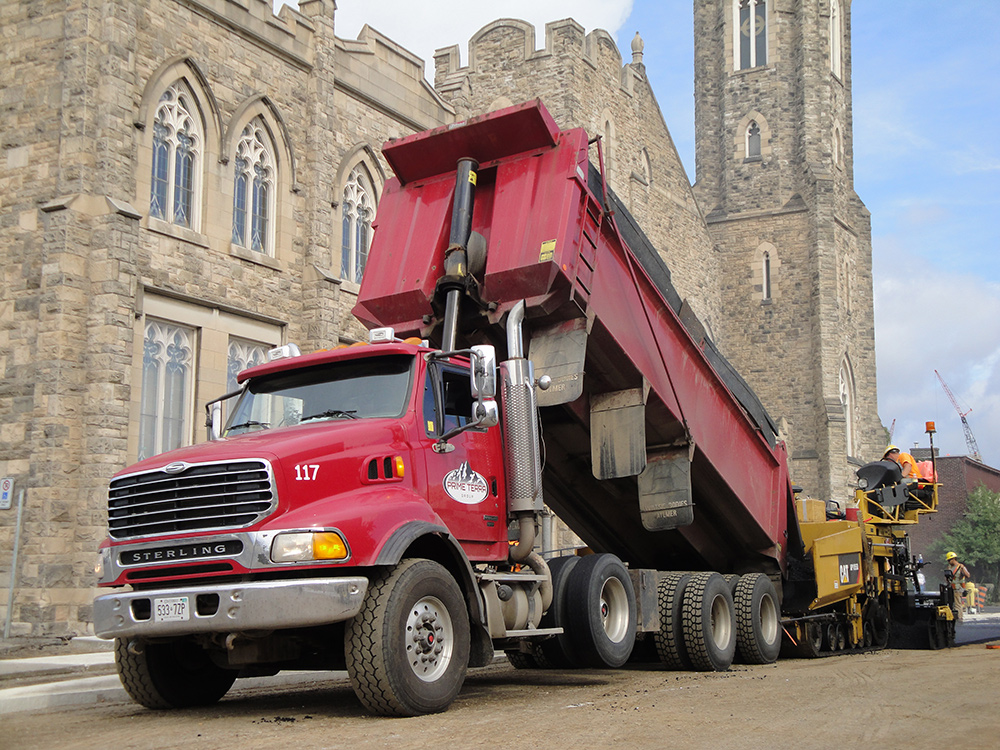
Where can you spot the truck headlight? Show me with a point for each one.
(304, 546)
(99, 566)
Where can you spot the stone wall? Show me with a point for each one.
(85, 264)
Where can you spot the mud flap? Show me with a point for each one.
(559, 352)
(618, 433)
(665, 500)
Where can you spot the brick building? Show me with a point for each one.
(959, 476)
(185, 183)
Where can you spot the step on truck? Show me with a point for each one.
(377, 507)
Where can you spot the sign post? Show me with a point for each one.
(7, 488)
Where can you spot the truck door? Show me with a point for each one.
(465, 485)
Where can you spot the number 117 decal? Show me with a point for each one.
(306, 472)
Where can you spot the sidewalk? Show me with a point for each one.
(45, 673)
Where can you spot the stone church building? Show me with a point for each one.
(187, 183)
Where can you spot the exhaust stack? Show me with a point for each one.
(521, 437)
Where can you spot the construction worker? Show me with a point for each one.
(906, 462)
(959, 577)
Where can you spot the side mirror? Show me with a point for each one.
(213, 414)
(483, 372)
(486, 413)
(215, 421)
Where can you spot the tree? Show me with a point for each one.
(976, 537)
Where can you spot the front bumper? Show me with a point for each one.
(230, 608)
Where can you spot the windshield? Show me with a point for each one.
(356, 389)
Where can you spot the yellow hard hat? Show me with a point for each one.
(950, 556)
(889, 449)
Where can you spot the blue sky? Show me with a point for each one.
(926, 164)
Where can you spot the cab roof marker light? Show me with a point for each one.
(283, 352)
(381, 335)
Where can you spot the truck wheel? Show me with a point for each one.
(601, 611)
(178, 674)
(709, 623)
(557, 652)
(758, 619)
(669, 639)
(407, 650)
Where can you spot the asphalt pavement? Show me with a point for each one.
(40, 675)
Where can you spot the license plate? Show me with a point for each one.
(171, 609)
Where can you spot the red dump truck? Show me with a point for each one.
(377, 507)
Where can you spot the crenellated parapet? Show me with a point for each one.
(290, 33)
(380, 72)
(509, 44)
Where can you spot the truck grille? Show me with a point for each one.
(202, 497)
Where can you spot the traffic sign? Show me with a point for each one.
(6, 492)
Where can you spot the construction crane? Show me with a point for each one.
(970, 439)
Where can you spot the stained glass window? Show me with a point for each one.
(358, 213)
(253, 190)
(167, 371)
(176, 156)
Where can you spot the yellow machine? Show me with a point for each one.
(862, 589)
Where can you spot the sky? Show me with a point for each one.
(926, 164)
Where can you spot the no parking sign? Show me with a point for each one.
(6, 491)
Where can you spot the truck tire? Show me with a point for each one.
(758, 619)
(733, 580)
(601, 611)
(178, 674)
(669, 639)
(709, 623)
(407, 650)
(557, 652)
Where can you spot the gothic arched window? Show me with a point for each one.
(766, 274)
(847, 400)
(253, 196)
(177, 150)
(358, 212)
(751, 33)
(836, 36)
(167, 371)
(753, 140)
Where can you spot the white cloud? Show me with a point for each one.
(929, 319)
(423, 27)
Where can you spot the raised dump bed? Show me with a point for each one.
(648, 453)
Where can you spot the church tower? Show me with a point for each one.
(774, 167)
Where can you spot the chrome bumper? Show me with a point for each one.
(228, 608)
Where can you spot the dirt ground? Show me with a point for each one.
(888, 699)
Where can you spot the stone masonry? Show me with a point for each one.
(86, 266)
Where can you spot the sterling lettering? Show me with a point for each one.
(185, 552)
